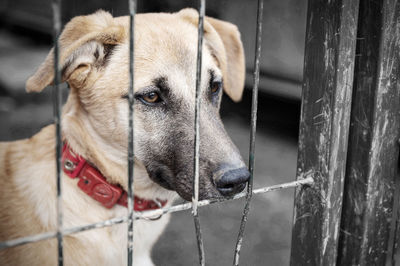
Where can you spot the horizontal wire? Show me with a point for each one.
(27, 239)
(186, 206)
(67, 231)
(148, 214)
(106, 223)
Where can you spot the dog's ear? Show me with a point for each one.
(84, 45)
(223, 40)
(234, 65)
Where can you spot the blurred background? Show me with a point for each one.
(26, 37)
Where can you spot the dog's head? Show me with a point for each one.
(94, 59)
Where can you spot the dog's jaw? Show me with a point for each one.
(110, 159)
(146, 188)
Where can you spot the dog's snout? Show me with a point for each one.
(232, 181)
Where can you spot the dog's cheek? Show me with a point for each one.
(184, 186)
(142, 128)
(122, 114)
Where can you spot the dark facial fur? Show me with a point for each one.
(169, 157)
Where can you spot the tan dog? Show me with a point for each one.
(94, 58)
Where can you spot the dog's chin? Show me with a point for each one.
(184, 192)
(182, 184)
(204, 194)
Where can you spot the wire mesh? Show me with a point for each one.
(149, 214)
(132, 215)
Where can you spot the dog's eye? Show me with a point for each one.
(151, 97)
(215, 87)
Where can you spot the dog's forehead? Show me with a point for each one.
(165, 47)
(165, 44)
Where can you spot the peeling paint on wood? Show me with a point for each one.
(324, 127)
(371, 175)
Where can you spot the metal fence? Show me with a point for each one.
(329, 141)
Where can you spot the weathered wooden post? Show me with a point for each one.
(324, 125)
(368, 223)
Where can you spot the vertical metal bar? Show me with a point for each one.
(254, 104)
(131, 202)
(372, 165)
(57, 104)
(195, 198)
(324, 126)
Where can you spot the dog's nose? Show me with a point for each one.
(233, 181)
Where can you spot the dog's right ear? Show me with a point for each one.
(223, 39)
(84, 44)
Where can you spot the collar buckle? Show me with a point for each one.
(72, 163)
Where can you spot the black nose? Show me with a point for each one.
(233, 181)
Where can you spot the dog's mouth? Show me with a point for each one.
(181, 183)
(228, 184)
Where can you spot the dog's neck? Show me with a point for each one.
(93, 183)
(88, 145)
(108, 159)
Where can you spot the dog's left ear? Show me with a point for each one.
(223, 40)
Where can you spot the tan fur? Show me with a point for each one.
(224, 43)
(95, 123)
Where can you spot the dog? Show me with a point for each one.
(94, 61)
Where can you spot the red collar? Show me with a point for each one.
(93, 183)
